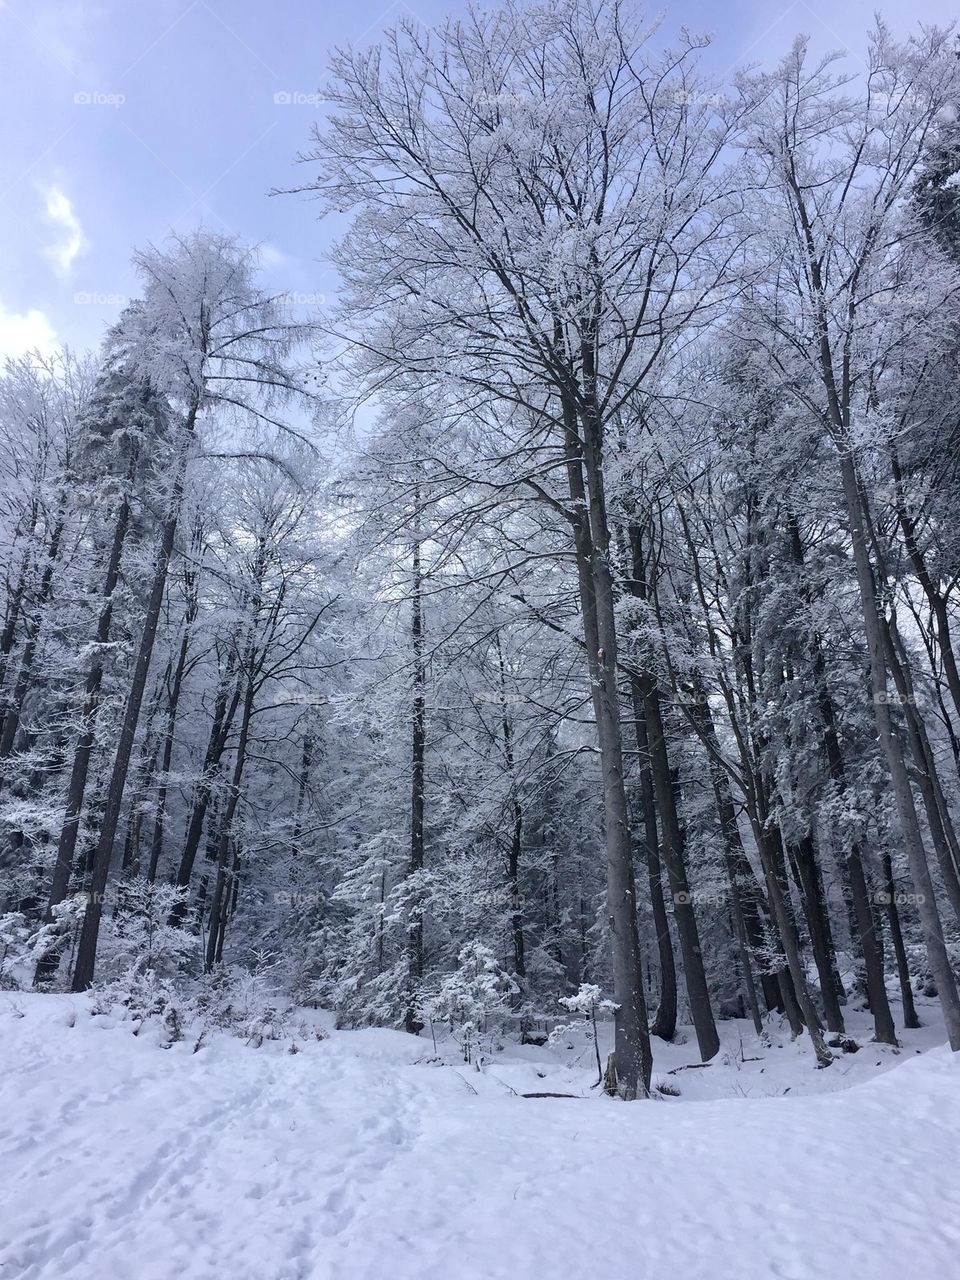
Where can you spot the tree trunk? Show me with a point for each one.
(684, 914)
(220, 900)
(225, 708)
(90, 930)
(883, 1027)
(632, 1056)
(910, 827)
(664, 1024)
(412, 1021)
(76, 789)
(910, 1019)
(166, 756)
(11, 720)
(516, 835)
(804, 860)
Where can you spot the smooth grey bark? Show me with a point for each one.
(939, 821)
(633, 1060)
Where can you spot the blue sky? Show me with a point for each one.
(122, 119)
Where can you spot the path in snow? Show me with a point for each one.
(351, 1160)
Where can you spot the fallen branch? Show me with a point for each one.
(551, 1095)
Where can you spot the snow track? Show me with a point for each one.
(352, 1160)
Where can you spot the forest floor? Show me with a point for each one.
(367, 1155)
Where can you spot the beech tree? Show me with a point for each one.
(541, 211)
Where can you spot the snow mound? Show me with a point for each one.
(364, 1156)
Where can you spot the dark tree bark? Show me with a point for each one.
(935, 597)
(516, 832)
(77, 786)
(865, 932)
(664, 1024)
(893, 751)
(684, 913)
(633, 1062)
(910, 1019)
(90, 930)
(14, 710)
(225, 708)
(803, 859)
(418, 743)
(220, 899)
(166, 756)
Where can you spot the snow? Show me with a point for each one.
(368, 1155)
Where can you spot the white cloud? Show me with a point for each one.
(22, 331)
(270, 255)
(72, 241)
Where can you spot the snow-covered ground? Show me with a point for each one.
(366, 1156)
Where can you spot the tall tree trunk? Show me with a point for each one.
(771, 857)
(224, 710)
(935, 597)
(219, 903)
(632, 1056)
(11, 719)
(684, 914)
(892, 749)
(417, 771)
(516, 834)
(76, 790)
(940, 823)
(910, 1019)
(90, 930)
(14, 609)
(870, 949)
(804, 860)
(664, 1024)
(166, 756)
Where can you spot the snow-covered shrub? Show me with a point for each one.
(471, 998)
(587, 1003)
(24, 941)
(15, 935)
(143, 996)
(137, 934)
(234, 1000)
(379, 999)
(246, 1002)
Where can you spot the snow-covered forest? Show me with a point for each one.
(544, 657)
